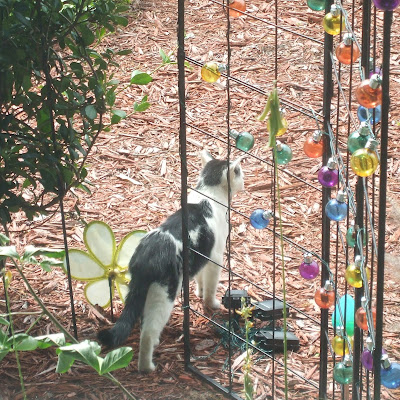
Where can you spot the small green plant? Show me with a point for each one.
(245, 312)
(11, 342)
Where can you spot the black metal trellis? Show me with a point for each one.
(358, 203)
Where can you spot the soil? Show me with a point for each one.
(135, 172)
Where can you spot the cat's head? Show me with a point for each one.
(215, 173)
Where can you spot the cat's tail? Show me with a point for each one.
(134, 305)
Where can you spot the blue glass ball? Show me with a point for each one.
(362, 114)
(390, 377)
(336, 210)
(258, 220)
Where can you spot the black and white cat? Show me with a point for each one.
(156, 265)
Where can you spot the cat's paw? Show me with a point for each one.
(213, 303)
(198, 291)
(146, 367)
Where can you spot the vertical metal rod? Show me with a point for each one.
(380, 273)
(184, 175)
(326, 194)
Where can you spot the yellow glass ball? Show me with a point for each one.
(364, 162)
(340, 346)
(353, 276)
(210, 72)
(333, 24)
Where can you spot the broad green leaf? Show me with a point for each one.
(98, 293)
(64, 363)
(83, 266)
(4, 337)
(164, 57)
(30, 251)
(85, 351)
(55, 339)
(140, 78)
(87, 35)
(120, 20)
(4, 321)
(115, 359)
(117, 116)
(3, 353)
(140, 107)
(8, 251)
(90, 112)
(4, 239)
(28, 343)
(127, 247)
(100, 241)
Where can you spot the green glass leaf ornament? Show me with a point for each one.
(275, 118)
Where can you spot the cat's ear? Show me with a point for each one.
(234, 164)
(205, 157)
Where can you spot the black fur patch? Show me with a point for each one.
(212, 172)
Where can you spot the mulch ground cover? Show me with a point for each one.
(135, 171)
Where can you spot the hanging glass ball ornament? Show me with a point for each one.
(336, 209)
(325, 296)
(328, 175)
(334, 21)
(313, 146)
(369, 91)
(339, 343)
(343, 371)
(309, 269)
(353, 273)
(374, 69)
(260, 218)
(283, 153)
(371, 114)
(364, 162)
(211, 71)
(359, 138)
(284, 123)
(361, 316)
(386, 5)
(347, 52)
(243, 140)
(240, 5)
(316, 5)
(390, 373)
(351, 235)
(367, 357)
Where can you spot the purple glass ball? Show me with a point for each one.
(309, 271)
(376, 70)
(328, 177)
(367, 359)
(386, 5)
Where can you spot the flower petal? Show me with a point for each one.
(100, 241)
(98, 292)
(122, 290)
(83, 266)
(127, 247)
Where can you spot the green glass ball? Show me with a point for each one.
(316, 5)
(356, 141)
(343, 374)
(284, 154)
(245, 141)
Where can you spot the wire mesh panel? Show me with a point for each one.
(320, 220)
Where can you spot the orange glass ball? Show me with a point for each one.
(369, 92)
(239, 5)
(312, 148)
(324, 298)
(345, 54)
(361, 318)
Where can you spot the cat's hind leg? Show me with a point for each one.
(199, 284)
(211, 274)
(156, 313)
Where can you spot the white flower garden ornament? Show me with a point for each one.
(104, 263)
